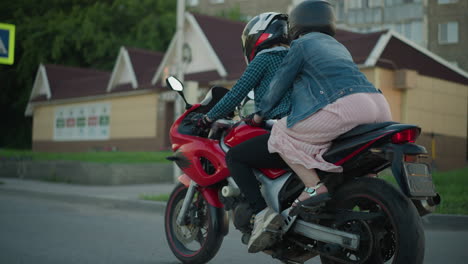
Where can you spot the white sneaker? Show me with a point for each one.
(267, 222)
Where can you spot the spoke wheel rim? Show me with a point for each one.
(383, 238)
(192, 236)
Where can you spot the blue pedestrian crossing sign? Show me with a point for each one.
(7, 43)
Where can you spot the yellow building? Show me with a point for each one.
(130, 109)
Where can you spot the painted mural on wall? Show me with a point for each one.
(82, 122)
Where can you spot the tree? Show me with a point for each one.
(82, 33)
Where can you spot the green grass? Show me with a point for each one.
(101, 157)
(452, 187)
(155, 197)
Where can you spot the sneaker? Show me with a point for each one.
(267, 223)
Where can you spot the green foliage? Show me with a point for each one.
(233, 13)
(82, 33)
(452, 187)
(155, 197)
(102, 157)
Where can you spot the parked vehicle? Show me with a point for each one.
(368, 219)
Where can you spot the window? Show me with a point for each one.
(399, 2)
(444, 2)
(374, 3)
(217, 1)
(355, 4)
(448, 33)
(192, 2)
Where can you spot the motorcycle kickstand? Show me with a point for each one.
(187, 200)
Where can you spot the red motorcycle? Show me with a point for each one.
(368, 220)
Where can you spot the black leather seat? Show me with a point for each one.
(362, 129)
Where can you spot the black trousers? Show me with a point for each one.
(249, 154)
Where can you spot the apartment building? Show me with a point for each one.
(447, 30)
(247, 8)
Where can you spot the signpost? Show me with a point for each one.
(7, 43)
(179, 66)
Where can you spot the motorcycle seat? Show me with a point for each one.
(362, 129)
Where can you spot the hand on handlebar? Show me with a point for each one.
(254, 120)
(201, 124)
(204, 123)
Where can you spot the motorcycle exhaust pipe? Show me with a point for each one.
(427, 206)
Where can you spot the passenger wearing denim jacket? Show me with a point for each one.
(321, 70)
(330, 97)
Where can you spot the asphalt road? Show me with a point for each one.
(45, 231)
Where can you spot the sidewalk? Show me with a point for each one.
(128, 197)
(116, 196)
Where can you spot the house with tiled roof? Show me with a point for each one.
(131, 109)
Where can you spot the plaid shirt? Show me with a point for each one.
(257, 76)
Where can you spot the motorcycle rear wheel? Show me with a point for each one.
(398, 238)
(200, 239)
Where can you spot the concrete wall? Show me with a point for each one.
(441, 109)
(438, 106)
(132, 119)
(384, 80)
(87, 173)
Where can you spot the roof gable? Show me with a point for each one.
(144, 64)
(397, 52)
(225, 37)
(199, 50)
(359, 45)
(41, 88)
(54, 82)
(123, 72)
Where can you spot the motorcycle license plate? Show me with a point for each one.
(419, 179)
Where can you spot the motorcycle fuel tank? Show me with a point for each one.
(241, 133)
(245, 132)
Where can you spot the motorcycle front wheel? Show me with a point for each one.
(199, 238)
(397, 237)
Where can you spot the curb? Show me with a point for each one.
(445, 222)
(134, 205)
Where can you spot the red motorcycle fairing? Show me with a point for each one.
(241, 133)
(244, 132)
(190, 149)
(273, 173)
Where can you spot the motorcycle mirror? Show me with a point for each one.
(175, 84)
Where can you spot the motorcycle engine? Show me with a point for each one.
(242, 217)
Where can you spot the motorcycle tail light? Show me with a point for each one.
(406, 136)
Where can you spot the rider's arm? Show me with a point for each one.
(283, 80)
(250, 78)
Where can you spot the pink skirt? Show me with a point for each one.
(306, 141)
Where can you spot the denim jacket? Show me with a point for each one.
(321, 70)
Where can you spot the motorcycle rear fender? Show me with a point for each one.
(395, 153)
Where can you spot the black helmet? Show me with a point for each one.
(312, 16)
(263, 31)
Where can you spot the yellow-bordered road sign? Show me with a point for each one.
(7, 43)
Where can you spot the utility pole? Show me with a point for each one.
(179, 67)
